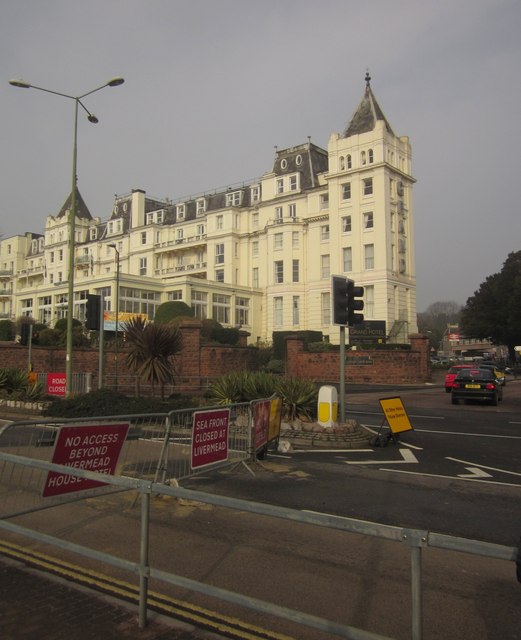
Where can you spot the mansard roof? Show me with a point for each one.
(82, 210)
(367, 113)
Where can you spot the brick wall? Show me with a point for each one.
(200, 363)
(369, 366)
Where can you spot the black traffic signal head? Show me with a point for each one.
(353, 304)
(92, 312)
(340, 289)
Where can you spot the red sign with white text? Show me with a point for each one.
(56, 384)
(89, 447)
(210, 437)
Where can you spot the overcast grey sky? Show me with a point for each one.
(212, 86)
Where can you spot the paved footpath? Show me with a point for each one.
(37, 605)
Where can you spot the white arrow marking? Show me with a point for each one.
(475, 472)
(407, 455)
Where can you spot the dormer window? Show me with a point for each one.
(234, 198)
(255, 194)
(180, 211)
(93, 233)
(280, 185)
(114, 227)
(155, 217)
(200, 206)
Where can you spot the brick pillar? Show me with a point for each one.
(190, 364)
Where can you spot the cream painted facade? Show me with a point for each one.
(257, 255)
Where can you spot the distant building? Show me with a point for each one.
(259, 256)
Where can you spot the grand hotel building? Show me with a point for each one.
(257, 255)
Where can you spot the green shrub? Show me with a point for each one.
(105, 402)
(172, 310)
(7, 330)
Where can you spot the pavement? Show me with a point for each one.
(35, 604)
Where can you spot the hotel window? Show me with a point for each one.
(369, 256)
(242, 311)
(255, 194)
(349, 164)
(296, 271)
(293, 183)
(200, 304)
(219, 253)
(346, 224)
(363, 157)
(143, 237)
(255, 277)
(369, 301)
(292, 211)
(280, 185)
(221, 308)
(278, 241)
(295, 239)
(180, 235)
(278, 271)
(180, 211)
(368, 186)
(296, 310)
(175, 295)
(255, 219)
(219, 275)
(200, 206)
(324, 201)
(142, 266)
(346, 191)
(234, 199)
(93, 234)
(325, 271)
(368, 220)
(200, 230)
(342, 163)
(278, 215)
(219, 222)
(324, 232)
(326, 307)
(370, 156)
(277, 312)
(347, 259)
(255, 248)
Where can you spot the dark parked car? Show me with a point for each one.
(477, 384)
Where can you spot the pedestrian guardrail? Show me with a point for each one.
(22, 477)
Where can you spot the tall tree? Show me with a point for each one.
(434, 320)
(494, 311)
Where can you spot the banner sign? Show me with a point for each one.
(210, 437)
(109, 319)
(88, 447)
(261, 423)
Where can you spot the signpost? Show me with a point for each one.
(88, 447)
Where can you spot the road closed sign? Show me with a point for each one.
(210, 437)
(89, 447)
(55, 384)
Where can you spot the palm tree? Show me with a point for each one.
(151, 350)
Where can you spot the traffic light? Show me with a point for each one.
(340, 290)
(92, 312)
(24, 334)
(354, 305)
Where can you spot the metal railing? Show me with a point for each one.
(22, 477)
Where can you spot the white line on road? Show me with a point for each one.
(482, 466)
(407, 455)
(436, 475)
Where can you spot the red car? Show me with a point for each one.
(453, 372)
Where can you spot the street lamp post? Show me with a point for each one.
(113, 82)
(113, 246)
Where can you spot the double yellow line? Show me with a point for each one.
(183, 611)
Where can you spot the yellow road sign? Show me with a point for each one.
(395, 414)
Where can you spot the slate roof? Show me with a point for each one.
(82, 210)
(367, 113)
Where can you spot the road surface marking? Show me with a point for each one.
(482, 466)
(407, 455)
(475, 472)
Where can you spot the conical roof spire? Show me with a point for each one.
(82, 210)
(367, 113)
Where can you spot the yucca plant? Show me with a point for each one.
(228, 389)
(299, 397)
(259, 384)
